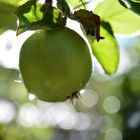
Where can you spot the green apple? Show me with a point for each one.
(55, 64)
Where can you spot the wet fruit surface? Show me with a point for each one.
(55, 64)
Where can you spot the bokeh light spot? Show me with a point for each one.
(134, 120)
(7, 111)
(113, 134)
(89, 98)
(111, 104)
(28, 115)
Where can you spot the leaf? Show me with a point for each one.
(134, 5)
(106, 51)
(14, 2)
(89, 21)
(63, 7)
(138, 1)
(121, 19)
(33, 16)
(7, 17)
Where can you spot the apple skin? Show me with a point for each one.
(55, 64)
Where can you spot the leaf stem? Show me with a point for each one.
(87, 2)
(83, 4)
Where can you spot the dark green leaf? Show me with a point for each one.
(106, 51)
(7, 17)
(138, 1)
(63, 7)
(121, 19)
(134, 5)
(33, 15)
